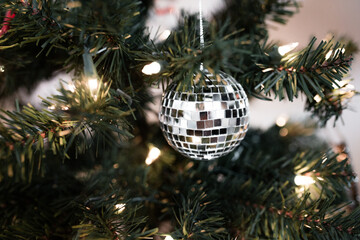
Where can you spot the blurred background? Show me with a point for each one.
(320, 18)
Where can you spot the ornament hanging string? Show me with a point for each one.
(205, 125)
(202, 40)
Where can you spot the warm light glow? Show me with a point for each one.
(344, 88)
(317, 98)
(282, 120)
(267, 70)
(339, 84)
(341, 157)
(287, 48)
(152, 68)
(75, 4)
(52, 107)
(64, 108)
(284, 132)
(164, 35)
(304, 180)
(154, 154)
(196, 140)
(291, 59)
(120, 208)
(2, 68)
(93, 84)
(328, 55)
(168, 238)
(71, 87)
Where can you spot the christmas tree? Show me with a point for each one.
(87, 164)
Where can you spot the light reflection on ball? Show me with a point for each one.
(206, 122)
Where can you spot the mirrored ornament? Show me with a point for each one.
(208, 121)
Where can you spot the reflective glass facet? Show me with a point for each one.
(206, 122)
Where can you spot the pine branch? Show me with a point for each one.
(199, 218)
(32, 211)
(237, 13)
(303, 220)
(64, 29)
(259, 196)
(181, 55)
(309, 71)
(28, 134)
(107, 217)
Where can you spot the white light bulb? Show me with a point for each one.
(287, 48)
(328, 55)
(154, 154)
(304, 180)
(267, 70)
(164, 35)
(71, 87)
(152, 68)
(2, 68)
(340, 84)
(120, 208)
(93, 84)
(168, 238)
(317, 98)
(282, 120)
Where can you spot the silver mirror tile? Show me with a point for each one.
(207, 122)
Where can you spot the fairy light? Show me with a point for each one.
(344, 88)
(267, 70)
(341, 157)
(2, 68)
(303, 180)
(71, 87)
(339, 84)
(284, 132)
(317, 98)
(291, 59)
(93, 84)
(328, 55)
(153, 154)
(287, 48)
(120, 208)
(74, 4)
(164, 35)
(168, 238)
(152, 68)
(282, 120)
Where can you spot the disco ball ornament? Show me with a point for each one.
(206, 122)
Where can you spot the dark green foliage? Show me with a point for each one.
(250, 15)
(76, 119)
